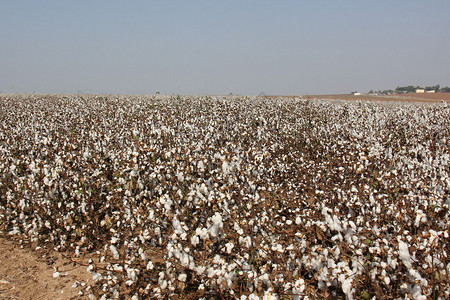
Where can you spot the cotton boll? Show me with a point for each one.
(276, 247)
(225, 168)
(201, 166)
(195, 240)
(252, 296)
(150, 265)
(392, 262)
(203, 189)
(177, 226)
(211, 272)
(404, 255)
(131, 282)
(90, 268)
(371, 199)
(114, 251)
(200, 269)
(298, 289)
(229, 247)
(180, 177)
(96, 276)
(346, 285)
(337, 252)
(217, 224)
(416, 293)
(337, 224)
(132, 274)
(184, 259)
(420, 218)
(333, 223)
(203, 233)
(142, 254)
(247, 242)
(416, 275)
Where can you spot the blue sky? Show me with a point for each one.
(217, 47)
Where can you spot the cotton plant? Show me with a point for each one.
(240, 198)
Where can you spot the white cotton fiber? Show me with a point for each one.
(403, 253)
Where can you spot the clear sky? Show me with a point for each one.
(217, 47)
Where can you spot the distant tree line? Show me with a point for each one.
(412, 89)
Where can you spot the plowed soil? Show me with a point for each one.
(410, 97)
(29, 274)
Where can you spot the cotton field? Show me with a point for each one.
(232, 198)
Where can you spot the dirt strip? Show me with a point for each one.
(410, 97)
(28, 274)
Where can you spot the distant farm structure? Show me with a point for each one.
(412, 89)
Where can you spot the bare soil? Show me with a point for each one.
(409, 97)
(29, 274)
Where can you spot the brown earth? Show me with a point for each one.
(29, 274)
(409, 97)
